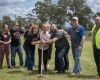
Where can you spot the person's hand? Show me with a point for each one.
(42, 41)
(62, 31)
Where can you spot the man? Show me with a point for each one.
(77, 35)
(16, 44)
(62, 47)
(96, 43)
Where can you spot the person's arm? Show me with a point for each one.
(2, 42)
(5, 43)
(36, 42)
(65, 34)
(82, 34)
(51, 40)
(9, 41)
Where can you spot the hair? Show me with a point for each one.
(4, 28)
(32, 28)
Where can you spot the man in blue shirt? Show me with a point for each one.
(77, 36)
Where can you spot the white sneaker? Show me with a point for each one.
(73, 74)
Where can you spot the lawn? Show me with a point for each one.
(87, 63)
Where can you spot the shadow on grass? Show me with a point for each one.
(15, 71)
(51, 73)
(83, 76)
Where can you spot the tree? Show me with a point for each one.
(21, 21)
(59, 13)
(7, 20)
(42, 9)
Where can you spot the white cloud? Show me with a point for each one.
(94, 5)
(13, 8)
(18, 11)
(11, 1)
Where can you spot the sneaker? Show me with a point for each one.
(30, 72)
(12, 67)
(9, 67)
(73, 74)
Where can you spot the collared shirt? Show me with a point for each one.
(76, 35)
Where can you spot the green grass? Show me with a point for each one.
(87, 63)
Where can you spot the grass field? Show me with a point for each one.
(87, 63)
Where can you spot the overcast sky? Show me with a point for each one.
(22, 7)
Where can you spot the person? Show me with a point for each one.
(43, 48)
(25, 36)
(5, 40)
(16, 44)
(96, 43)
(61, 44)
(52, 33)
(31, 40)
(77, 36)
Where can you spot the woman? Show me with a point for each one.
(29, 46)
(43, 48)
(5, 46)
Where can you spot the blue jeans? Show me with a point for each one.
(60, 60)
(29, 61)
(18, 50)
(76, 55)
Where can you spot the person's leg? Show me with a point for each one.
(7, 52)
(49, 54)
(98, 63)
(39, 60)
(20, 54)
(13, 54)
(66, 59)
(1, 55)
(29, 60)
(97, 58)
(60, 60)
(56, 59)
(45, 58)
(77, 54)
(33, 56)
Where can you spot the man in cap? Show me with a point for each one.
(77, 35)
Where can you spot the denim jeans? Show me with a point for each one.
(76, 55)
(60, 60)
(29, 61)
(18, 50)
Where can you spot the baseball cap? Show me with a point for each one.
(75, 18)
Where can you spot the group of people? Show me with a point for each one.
(44, 37)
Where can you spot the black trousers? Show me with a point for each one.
(45, 59)
(97, 58)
